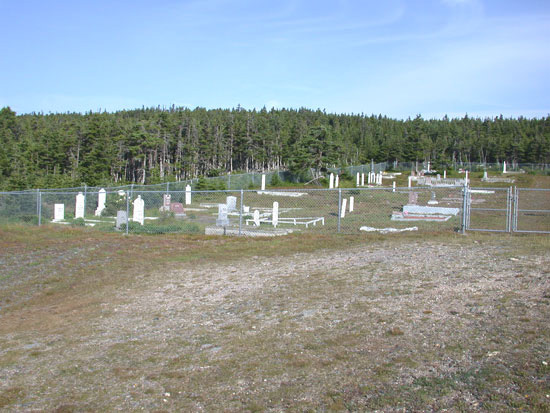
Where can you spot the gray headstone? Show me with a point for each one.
(121, 218)
(222, 220)
(413, 198)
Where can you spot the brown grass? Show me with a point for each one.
(99, 322)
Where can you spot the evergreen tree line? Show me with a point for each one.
(153, 145)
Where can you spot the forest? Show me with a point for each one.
(153, 145)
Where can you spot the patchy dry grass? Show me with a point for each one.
(98, 322)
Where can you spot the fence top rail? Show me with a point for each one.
(533, 189)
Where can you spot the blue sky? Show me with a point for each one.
(396, 58)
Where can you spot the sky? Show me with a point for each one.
(397, 58)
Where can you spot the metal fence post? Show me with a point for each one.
(339, 208)
(509, 209)
(516, 209)
(127, 210)
(85, 193)
(241, 214)
(464, 207)
(39, 207)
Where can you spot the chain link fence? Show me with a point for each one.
(282, 211)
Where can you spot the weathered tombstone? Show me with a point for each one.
(177, 209)
(504, 167)
(139, 210)
(331, 181)
(362, 179)
(413, 198)
(336, 181)
(445, 174)
(257, 218)
(121, 219)
(428, 166)
(275, 217)
(231, 202)
(188, 195)
(59, 212)
(485, 175)
(379, 179)
(79, 208)
(166, 198)
(351, 202)
(393, 190)
(369, 178)
(222, 220)
(438, 177)
(357, 179)
(433, 200)
(101, 198)
(410, 181)
(343, 209)
(263, 182)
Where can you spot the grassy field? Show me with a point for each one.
(94, 321)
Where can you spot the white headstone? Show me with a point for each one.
(246, 209)
(231, 202)
(263, 182)
(362, 179)
(336, 181)
(466, 178)
(275, 217)
(139, 210)
(445, 174)
(393, 190)
(485, 175)
(188, 195)
(504, 167)
(79, 208)
(59, 212)
(222, 220)
(331, 181)
(101, 198)
(351, 202)
(428, 166)
(343, 209)
(410, 181)
(357, 179)
(379, 179)
(257, 218)
(369, 178)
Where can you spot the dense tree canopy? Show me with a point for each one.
(155, 145)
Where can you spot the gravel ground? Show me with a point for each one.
(393, 325)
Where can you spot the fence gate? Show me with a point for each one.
(531, 212)
(487, 209)
(507, 210)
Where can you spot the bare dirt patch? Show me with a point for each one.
(386, 323)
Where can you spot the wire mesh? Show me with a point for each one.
(532, 212)
(253, 212)
(489, 209)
